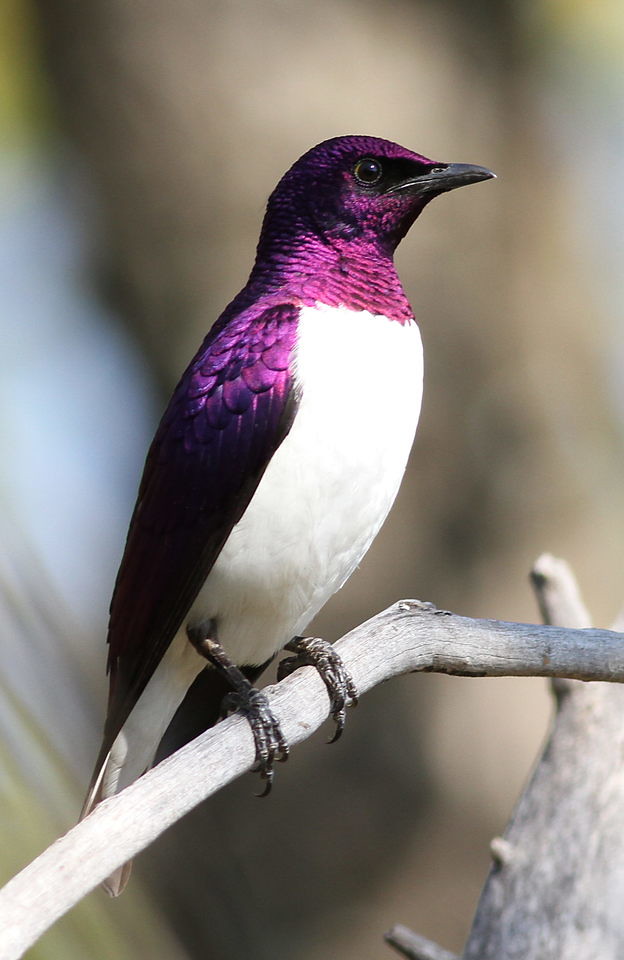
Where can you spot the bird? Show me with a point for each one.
(277, 458)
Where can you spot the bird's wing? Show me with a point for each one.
(228, 415)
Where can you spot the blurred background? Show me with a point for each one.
(138, 143)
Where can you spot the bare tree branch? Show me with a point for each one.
(557, 884)
(409, 636)
(557, 592)
(560, 602)
(415, 947)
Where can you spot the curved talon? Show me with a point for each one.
(318, 653)
(267, 787)
(340, 724)
(271, 745)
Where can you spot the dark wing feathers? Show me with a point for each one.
(229, 413)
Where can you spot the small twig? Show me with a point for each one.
(560, 602)
(558, 594)
(502, 851)
(414, 946)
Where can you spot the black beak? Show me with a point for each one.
(444, 177)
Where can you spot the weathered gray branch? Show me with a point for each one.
(415, 947)
(409, 636)
(557, 593)
(556, 888)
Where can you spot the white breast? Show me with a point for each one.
(328, 488)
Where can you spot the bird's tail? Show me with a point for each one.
(117, 768)
(134, 748)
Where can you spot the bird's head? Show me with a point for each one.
(360, 190)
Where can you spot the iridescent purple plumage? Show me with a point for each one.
(321, 242)
(229, 413)
(288, 365)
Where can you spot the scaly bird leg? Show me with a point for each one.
(315, 652)
(271, 746)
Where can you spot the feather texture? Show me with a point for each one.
(228, 415)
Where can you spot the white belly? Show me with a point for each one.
(314, 515)
(328, 488)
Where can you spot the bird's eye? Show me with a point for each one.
(367, 171)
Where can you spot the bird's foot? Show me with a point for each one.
(315, 652)
(271, 745)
